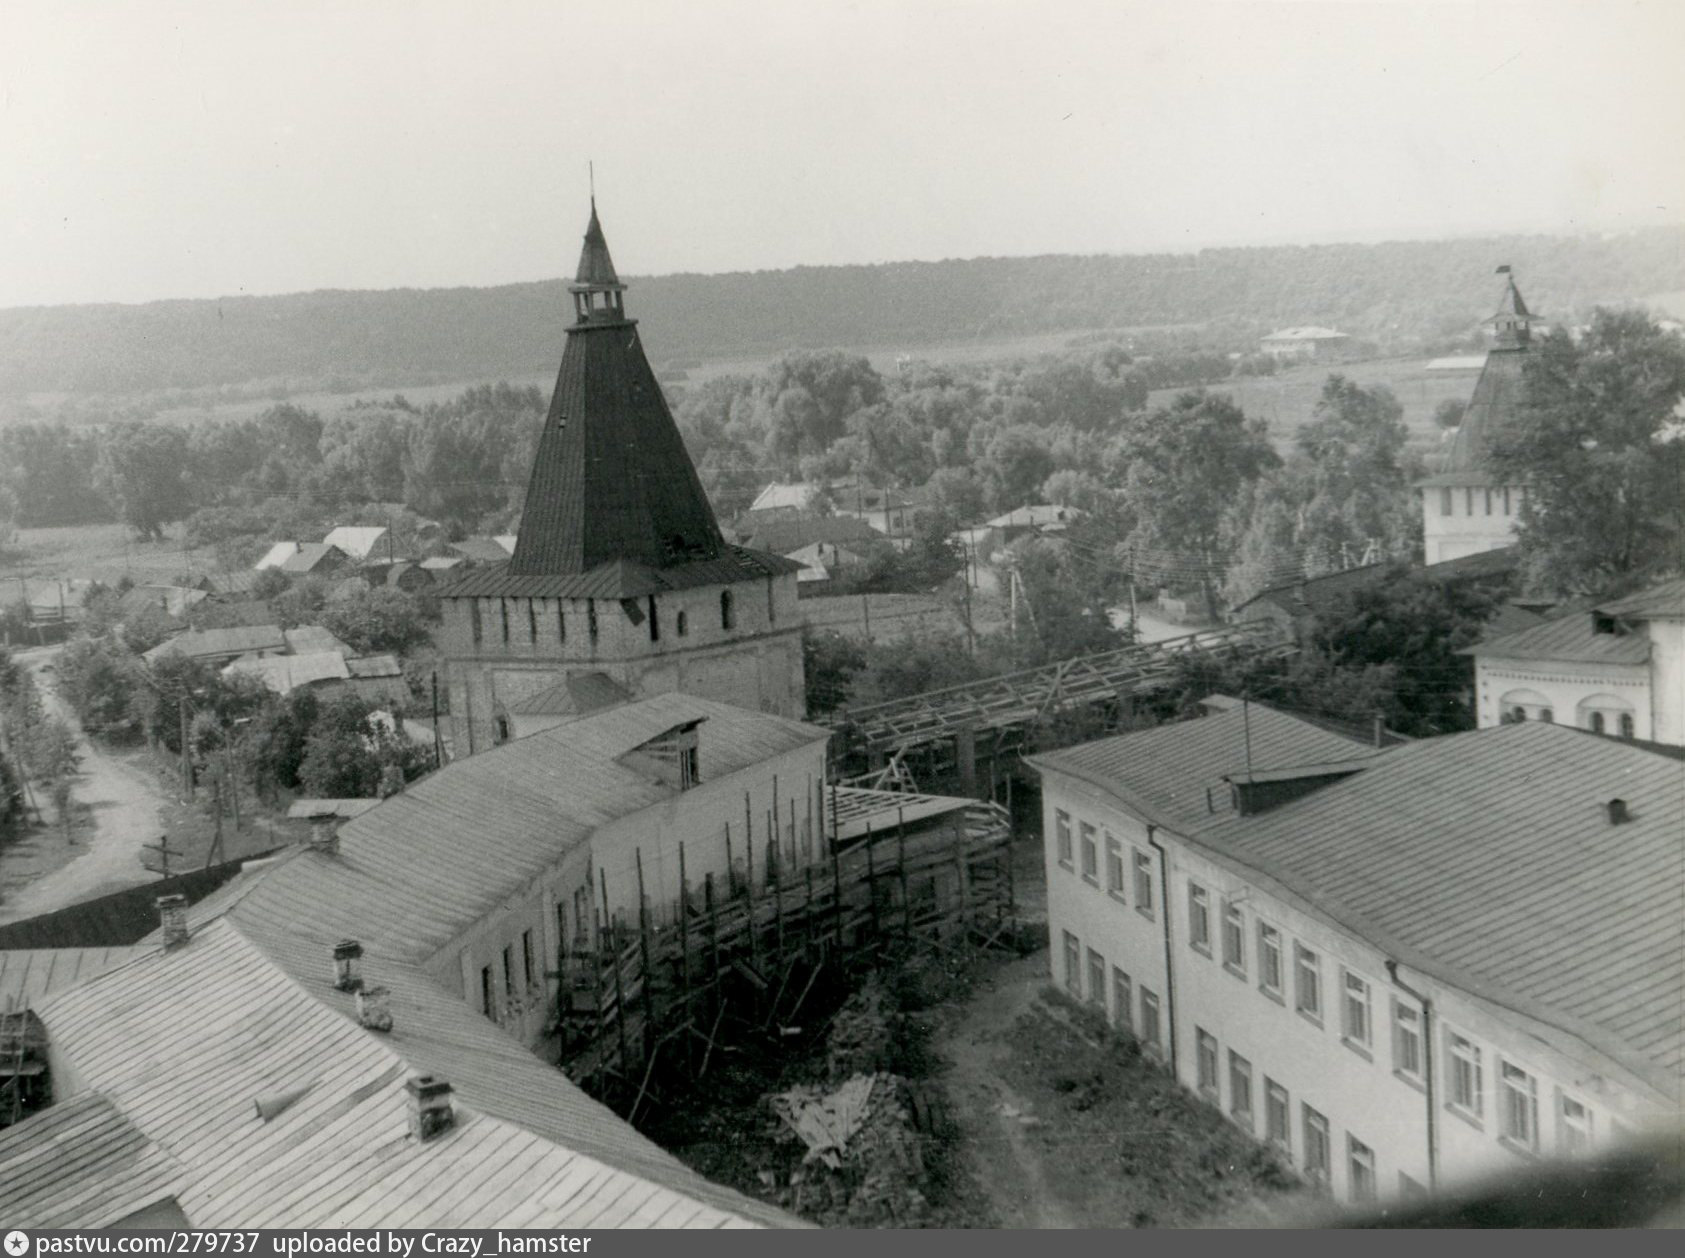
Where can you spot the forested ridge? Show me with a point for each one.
(1405, 295)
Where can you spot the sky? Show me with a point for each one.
(162, 149)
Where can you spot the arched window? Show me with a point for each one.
(1603, 714)
(1626, 725)
(501, 731)
(725, 609)
(1523, 705)
(1597, 723)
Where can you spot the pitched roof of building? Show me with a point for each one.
(171, 600)
(276, 555)
(375, 666)
(302, 639)
(1497, 395)
(781, 496)
(1665, 600)
(595, 265)
(285, 673)
(311, 556)
(1571, 639)
(620, 579)
(208, 643)
(111, 921)
(1485, 858)
(611, 480)
(575, 695)
(28, 974)
(356, 540)
(780, 536)
(1169, 768)
(1308, 333)
(82, 1164)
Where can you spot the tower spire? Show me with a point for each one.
(1513, 322)
(598, 294)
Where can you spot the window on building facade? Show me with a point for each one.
(1114, 866)
(1307, 985)
(1090, 854)
(561, 621)
(503, 614)
(1062, 832)
(1205, 1058)
(1278, 1122)
(1234, 938)
(1597, 723)
(591, 619)
(1073, 965)
(1354, 1015)
(528, 971)
(726, 617)
(488, 1000)
(1199, 918)
(1444, 502)
(1468, 501)
(681, 623)
(1463, 1065)
(1144, 883)
(1123, 1000)
(1506, 500)
(1518, 1106)
(1318, 1154)
(1573, 1125)
(1407, 1041)
(1150, 1034)
(1488, 502)
(509, 971)
(1096, 979)
(1626, 725)
(1360, 1169)
(474, 627)
(771, 603)
(1240, 1089)
(1269, 959)
(532, 622)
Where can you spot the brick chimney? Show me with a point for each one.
(430, 1106)
(324, 834)
(172, 916)
(346, 953)
(374, 1011)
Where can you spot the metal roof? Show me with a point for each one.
(780, 536)
(619, 578)
(276, 555)
(81, 1164)
(1666, 600)
(595, 268)
(527, 1149)
(309, 556)
(208, 643)
(357, 541)
(308, 808)
(575, 695)
(1169, 769)
(1485, 858)
(27, 974)
(307, 638)
(1573, 638)
(285, 673)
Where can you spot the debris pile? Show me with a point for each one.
(860, 1035)
(863, 1162)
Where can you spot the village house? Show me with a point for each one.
(1467, 506)
(1402, 969)
(620, 567)
(1304, 343)
(1618, 669)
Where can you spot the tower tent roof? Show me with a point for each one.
(595, 266)
(1497, 395)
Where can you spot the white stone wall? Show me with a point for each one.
(1359, 1087)
(1667, 681)
(1566, 688)
(1476, 521)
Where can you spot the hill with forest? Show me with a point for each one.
(1402, 295)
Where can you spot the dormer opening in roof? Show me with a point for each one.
(598, 294)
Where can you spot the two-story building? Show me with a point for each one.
(1402, 969)
(1618, 669)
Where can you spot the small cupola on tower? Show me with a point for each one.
(1514, 322)
(598, 294)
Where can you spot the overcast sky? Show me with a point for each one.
(160, 149)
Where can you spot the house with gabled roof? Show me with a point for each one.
(620, 566)
(1402, 969)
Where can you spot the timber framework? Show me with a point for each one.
(744, 953)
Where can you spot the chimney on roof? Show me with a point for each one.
(172, 916)
(1618, 814)
(345, 955)
(374, 1011)
(430, 1106)
(324, 834)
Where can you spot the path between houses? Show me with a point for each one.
(995, 1121)
(41, 873)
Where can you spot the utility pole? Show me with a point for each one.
(438, 736)
(165, 851)
(186, 757)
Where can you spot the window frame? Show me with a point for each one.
(1208, 1061)
(1097, 970)
(1474, 1110)
(1199, 914)
(1361, 1182)
(1073, 965)
(1233, 926)
(1089, 835)
(1318, 1137)
(1518, 1101)
(1143, 883)
(1269, 947)
(1123, 1001)
(1062, 838)
(1307, 960)
(1151, 1033)
(1361, 1043)
(1567, 1144)
(1114, 867)
(1240, 1089)
(1407, 1027)
(1282, 1137)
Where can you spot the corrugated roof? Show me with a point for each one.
(575, 695)
(1170, 768)
(618, 579)
(1664, 600)
(27, 974)
(81, 1164)
(528, 1149)
(1572, 638)
(1486, 857)
(206, 643)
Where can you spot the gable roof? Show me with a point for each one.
(209, 643)
(355, 540)
(1571, 639)
(276, 555)
(619, 579)
(1307, 333)
(575, 695)
(780, 536)
(82, 1164)
(171, 600)
(310, 556)
(285, 673)
(305, 639)
(1665, 600)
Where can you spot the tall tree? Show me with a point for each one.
(143, 469)
(1596, 445)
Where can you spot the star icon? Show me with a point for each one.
(17, 1244)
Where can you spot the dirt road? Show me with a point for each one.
(43, 872)
(994, 1120)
